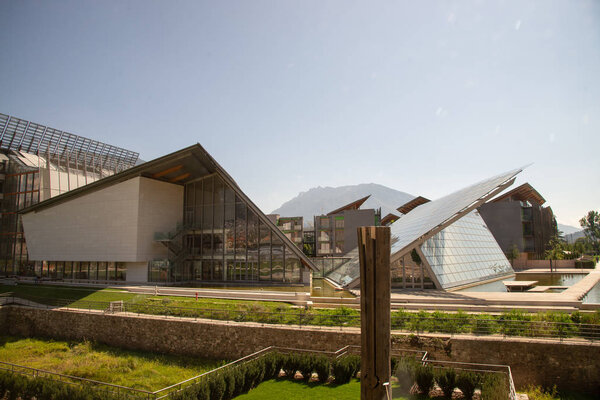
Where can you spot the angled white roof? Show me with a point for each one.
(426, 220)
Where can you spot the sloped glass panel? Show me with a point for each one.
(463, 267)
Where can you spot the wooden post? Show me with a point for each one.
(375, 289)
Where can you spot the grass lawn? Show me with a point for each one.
(135, 369)
(81, 295)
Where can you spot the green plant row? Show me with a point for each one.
(493, 386)
(235, 380)
(14, 386)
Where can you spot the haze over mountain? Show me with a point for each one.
(321, 200)
(566, 229)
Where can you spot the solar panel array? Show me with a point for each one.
(25, 136)
(425, 218)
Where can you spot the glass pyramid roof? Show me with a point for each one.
(420, 224)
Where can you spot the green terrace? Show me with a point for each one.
(561, 325)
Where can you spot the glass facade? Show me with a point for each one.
(80, 270)
(222, 239)
(465, 252)
(21, 188)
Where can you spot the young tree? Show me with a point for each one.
(513, 253)
(591, 227)
(555, 250)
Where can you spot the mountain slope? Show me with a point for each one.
(566, 229)
(321, 200)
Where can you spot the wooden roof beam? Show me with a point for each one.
(167, 171)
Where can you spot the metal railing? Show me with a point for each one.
(470, 324)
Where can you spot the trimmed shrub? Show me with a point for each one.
(230, 381)
(344, 368)
(393, 365)
(467, 382)
(273, 363)
(305, 365)
(216, 384)
(322, 367)
(424, 378)
(494, 387)
(405, 372)
(290, 365)
(239, 372)
(446, 380)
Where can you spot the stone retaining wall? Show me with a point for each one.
(574, 366)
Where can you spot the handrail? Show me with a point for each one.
(37, 371)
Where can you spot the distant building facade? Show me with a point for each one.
(518, 218)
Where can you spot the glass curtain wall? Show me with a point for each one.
(20, 189)
(225, 240)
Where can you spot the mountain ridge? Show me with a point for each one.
(322, 200)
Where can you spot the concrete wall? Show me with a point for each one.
(99, 226)
(160, 209)
(524, 264)
(352, 220)
(504, 221)
(116, 223)
(573, 366)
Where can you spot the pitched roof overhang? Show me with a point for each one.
(355, 205)
(412, 204)
(525, 192)
(178, 168)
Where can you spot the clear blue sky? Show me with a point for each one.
(424, 97)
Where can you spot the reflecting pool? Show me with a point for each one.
(549, 279)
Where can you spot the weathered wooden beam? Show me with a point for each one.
(375, 288)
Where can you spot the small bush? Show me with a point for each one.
(322, 366)
(344, 369)
(424, 378)
(393, 365)
(405, 372)
(230, 381)
(446, 380)
(290, 365)
(305, 365)
(217, 386)
(494, 387)
(467, 382)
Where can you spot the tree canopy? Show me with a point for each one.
(591, 228)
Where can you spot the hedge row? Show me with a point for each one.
(14, 386)
(493, 386)
(235, 380)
